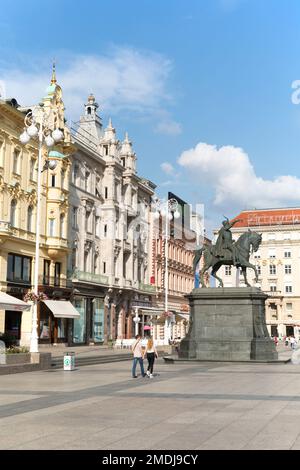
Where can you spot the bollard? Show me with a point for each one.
(69, 361)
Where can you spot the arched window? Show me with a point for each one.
(13, 213)
(51, 227)
(29, 219)
(62, 226)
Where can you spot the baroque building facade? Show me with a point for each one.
(110, 223)
(18, 194)
(277, 261)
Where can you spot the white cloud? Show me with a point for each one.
(167, 168)
(123, 80)
(169, 128)
(232, 177)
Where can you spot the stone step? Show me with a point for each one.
(57, 362)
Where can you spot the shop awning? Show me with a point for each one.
(62, 309)
(8, 302)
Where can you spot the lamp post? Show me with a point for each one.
(37, 125)
(136, 320)
(167, 209)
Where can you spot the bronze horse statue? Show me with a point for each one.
(247, 243)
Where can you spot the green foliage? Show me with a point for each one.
(17, 350)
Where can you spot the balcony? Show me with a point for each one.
(52, 281)
(5, 227)
(272, 293)
(147, 288)
(89, 277)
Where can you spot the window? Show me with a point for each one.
(271, 236)
(97, 187)
(105, 192)
(18, 268)
(288, 269)
(287, 254)
(29, 219)
(227, 270)
(74, 217)
(272, 269)
(258, 268)
(51, 227)
(32, 169)
(1, 152)
(96, 264)
(53, 181)
(46, 277)
(86, 261)
(272, 253)
(16, 161)
(62, 226)
(288, 289)
(63, 176)
(13, 213)
(105, 147)
(289, 306)
(257, 256)
(97, 226)
(104, 267)
(87, 221)
(75, 173)
(87, 181)
(105, 231)
(287, 236)
(123, 161)
(273, 288)
(57, 271)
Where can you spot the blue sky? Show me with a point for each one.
(202, 86)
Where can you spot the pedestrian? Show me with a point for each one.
(151, 356)
(293, 342)
(275, 340)
(286, 341)
(137, 356)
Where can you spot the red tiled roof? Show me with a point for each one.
(265, 217)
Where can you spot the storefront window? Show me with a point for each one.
(44, 328)
(98, 312)
(61, 328)
(79, 328)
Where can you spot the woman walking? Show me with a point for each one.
(151, 355)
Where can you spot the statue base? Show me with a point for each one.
(228, 324)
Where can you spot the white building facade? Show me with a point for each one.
(110, 223)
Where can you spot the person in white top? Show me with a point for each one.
(151, 355)
(137, 356)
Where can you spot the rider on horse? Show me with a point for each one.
(225, 242)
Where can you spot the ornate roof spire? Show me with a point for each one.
(53, 78)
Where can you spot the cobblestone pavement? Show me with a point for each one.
(185, 406)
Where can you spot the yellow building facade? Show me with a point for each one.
(18, 204)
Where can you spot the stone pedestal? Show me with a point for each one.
(228, 324)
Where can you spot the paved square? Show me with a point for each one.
(186, 406)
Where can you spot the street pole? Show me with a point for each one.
(167, 327)
(34, 334)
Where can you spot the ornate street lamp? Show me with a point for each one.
(37, 126)
(136, 320)
(167, 209)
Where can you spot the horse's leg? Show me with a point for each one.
(213, 273)
(246, 264)
(207, 261)
(244, 270)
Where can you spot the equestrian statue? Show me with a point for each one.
(228, 252)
